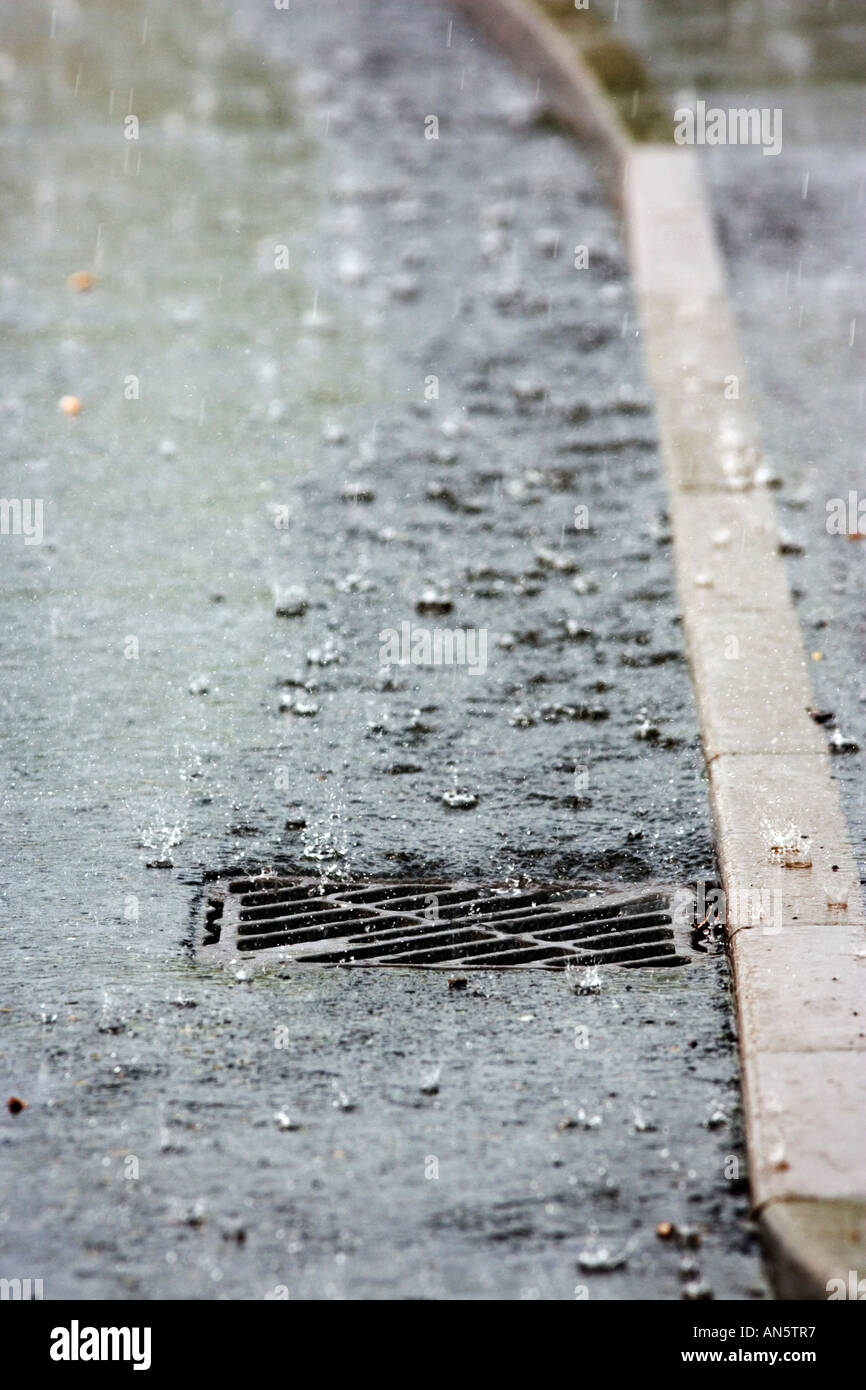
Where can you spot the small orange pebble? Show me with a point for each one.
(15, 1106)
(70, 405)
(817, 656)
(81, 280)
(664, 1230)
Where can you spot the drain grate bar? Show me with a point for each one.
(436, 925)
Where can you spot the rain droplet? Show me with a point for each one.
(459, 799)
(291, 602)
(600, 1260)
(583, 979)
(283, 1122)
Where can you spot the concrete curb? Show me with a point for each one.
(794, 911)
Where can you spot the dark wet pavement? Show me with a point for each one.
(254, 438)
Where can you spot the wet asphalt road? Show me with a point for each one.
(247, 430)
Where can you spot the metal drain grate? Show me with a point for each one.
(438, 925)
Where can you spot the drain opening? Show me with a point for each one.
(432, 924)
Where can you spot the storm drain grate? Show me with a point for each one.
(438, 925)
